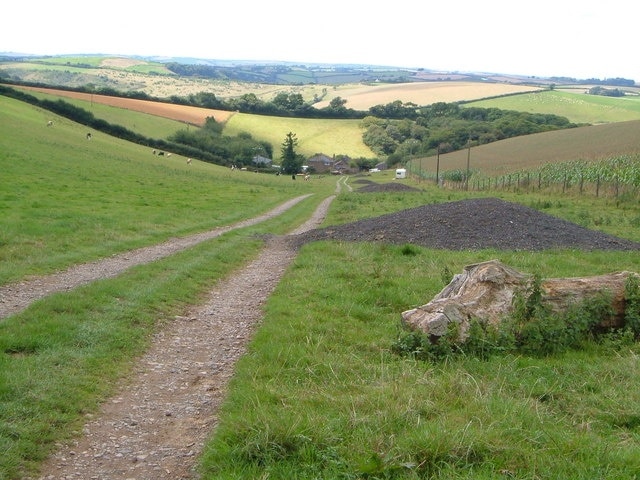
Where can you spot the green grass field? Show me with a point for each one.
(102, 196)
(577, 107)
(81, 62)
(151, 126)
(331, 137)
(320, 394)
(315, 136)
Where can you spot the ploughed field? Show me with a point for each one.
(474, 224)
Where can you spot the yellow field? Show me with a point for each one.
(330, 137)
(363, 97)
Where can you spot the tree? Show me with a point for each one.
(291, 161)
(337, 104)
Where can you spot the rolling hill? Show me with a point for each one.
(345, 136)
(530, 151)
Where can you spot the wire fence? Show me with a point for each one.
(611, 178)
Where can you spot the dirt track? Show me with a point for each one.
(18, 296)
(155, 427)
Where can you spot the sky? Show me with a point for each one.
(580, 39)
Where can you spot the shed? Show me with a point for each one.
(401, 173)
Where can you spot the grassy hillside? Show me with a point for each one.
(104, 195)
(530, 151)
(577, 106)
(321, 395)
(314, 136)
(152, 126)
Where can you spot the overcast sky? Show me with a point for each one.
(582, 39)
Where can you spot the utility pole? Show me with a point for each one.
(466, 178)
(466, 181)
(438, 167)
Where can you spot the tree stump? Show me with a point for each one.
(485, 291)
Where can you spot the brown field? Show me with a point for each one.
(182, 113)
(363, 97)
(531, 151)
(121, 62)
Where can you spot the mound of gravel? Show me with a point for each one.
(472, 225)
(385, 187)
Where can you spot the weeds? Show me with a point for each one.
(632, 304)
(531, 329)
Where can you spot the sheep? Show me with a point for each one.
(50, 123)
(188, 161)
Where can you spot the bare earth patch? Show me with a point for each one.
(114, 62)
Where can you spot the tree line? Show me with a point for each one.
(446, 127)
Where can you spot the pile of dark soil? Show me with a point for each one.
(472, 225)
(370, 186)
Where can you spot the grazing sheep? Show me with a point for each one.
(89, 136)
(50, 123)
(188, 161)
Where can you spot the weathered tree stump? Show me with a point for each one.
(486, 291)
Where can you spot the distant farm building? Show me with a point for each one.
(261, 161)
(321, 163)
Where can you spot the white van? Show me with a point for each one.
(401, 173)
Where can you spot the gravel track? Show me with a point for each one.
(18, 296)
(156, 426)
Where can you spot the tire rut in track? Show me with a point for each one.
(156, 425)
